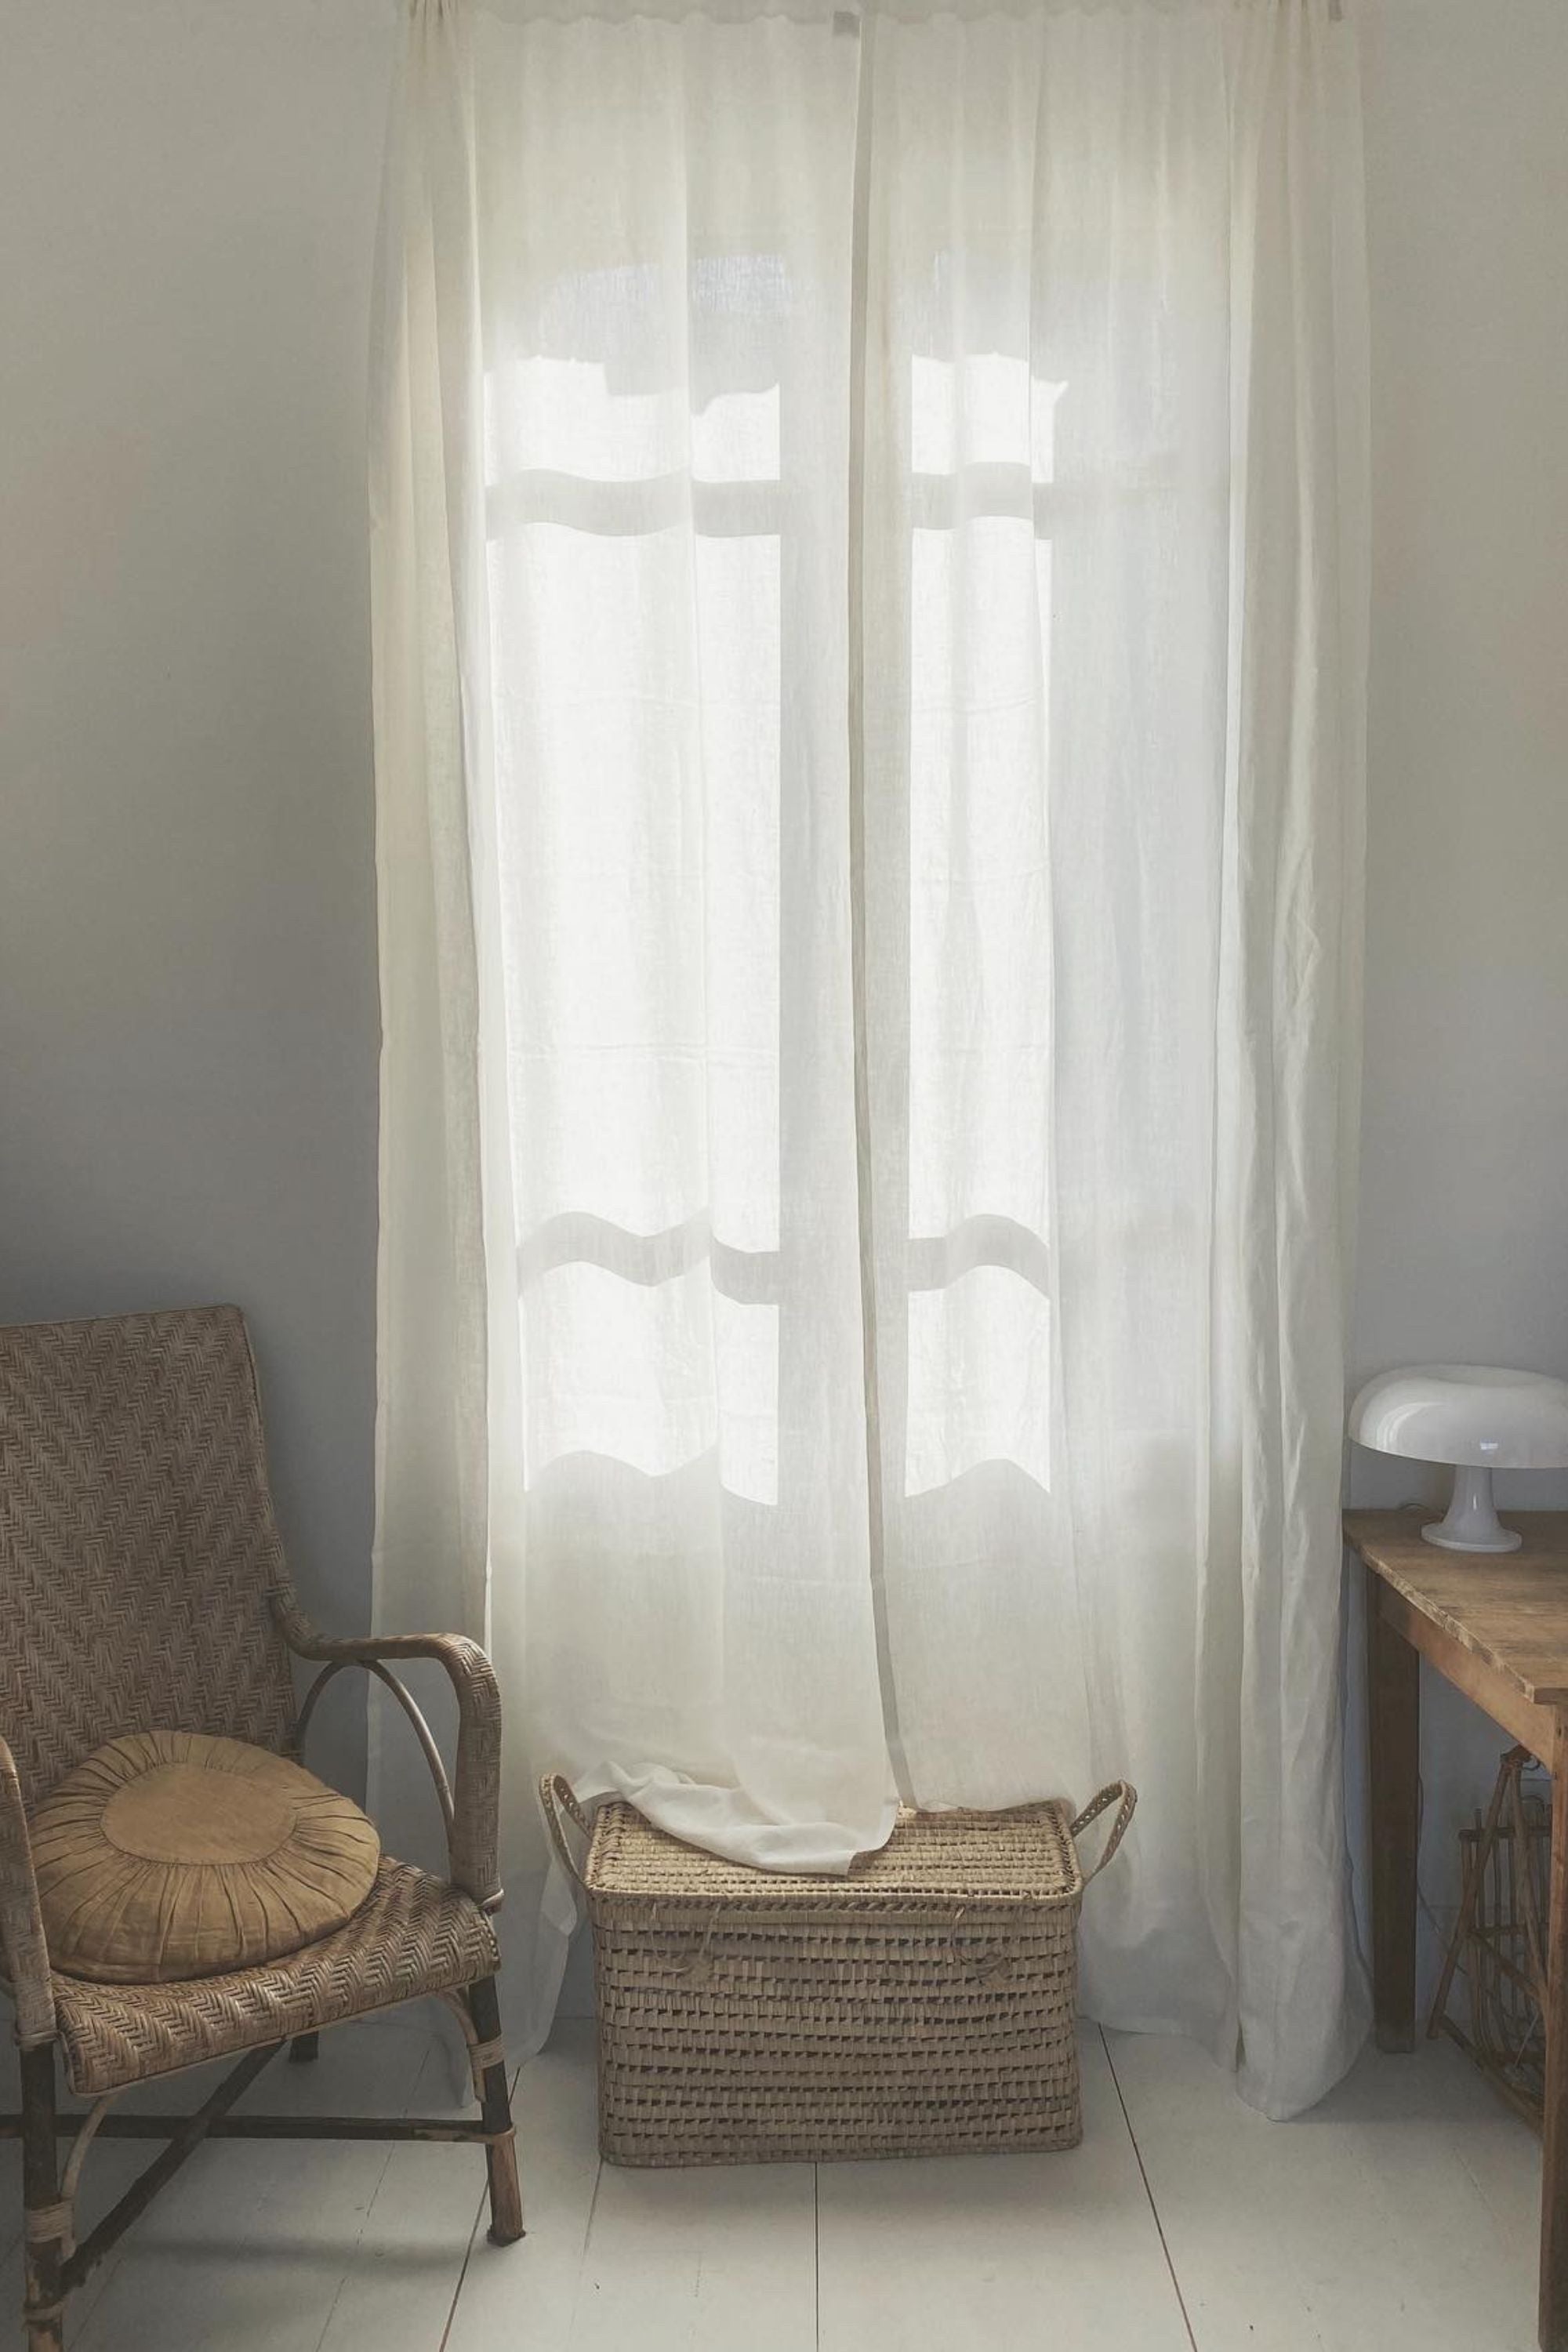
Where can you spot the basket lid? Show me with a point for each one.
(1020, 1857)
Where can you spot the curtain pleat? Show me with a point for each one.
(869, 552)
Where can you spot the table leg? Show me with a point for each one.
(1553, 2311)
(1394, 1721)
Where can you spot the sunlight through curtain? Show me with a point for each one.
(869, 545)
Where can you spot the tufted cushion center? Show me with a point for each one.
(185, 1812)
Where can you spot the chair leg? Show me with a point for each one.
(500, 2154)
(304, 2050)
(43, 2217)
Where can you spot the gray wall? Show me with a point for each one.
(188, 1024)
(1463, 1225)
(187, 974)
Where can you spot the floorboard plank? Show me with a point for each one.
(616, 2261)
(1401, 2213)
(397, 2292)
(249, 2247)
(973, 2253)
(699, 2261)
(524, 2296)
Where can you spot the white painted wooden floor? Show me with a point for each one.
(1400, 2214)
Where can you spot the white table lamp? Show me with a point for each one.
(1476, 1416)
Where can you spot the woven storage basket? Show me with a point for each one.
(924, 2005)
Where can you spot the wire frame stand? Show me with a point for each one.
(1498, 1943)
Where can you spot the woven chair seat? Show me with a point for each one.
(413, 1934)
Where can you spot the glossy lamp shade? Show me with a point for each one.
(1479, 1417)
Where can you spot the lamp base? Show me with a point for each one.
(1472, 1524)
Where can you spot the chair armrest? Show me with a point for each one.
(472, 1807)
(22, 1945)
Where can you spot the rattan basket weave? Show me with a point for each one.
(924, 2005)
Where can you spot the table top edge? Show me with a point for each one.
(1373, 1535)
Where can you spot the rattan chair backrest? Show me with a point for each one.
(138, 1547)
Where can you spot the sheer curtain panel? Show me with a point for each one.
(868, 562)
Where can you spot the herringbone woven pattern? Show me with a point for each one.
(138, 1550)
(415, 1935)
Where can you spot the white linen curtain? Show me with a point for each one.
(868, 563)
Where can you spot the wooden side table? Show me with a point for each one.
(1496, 1626)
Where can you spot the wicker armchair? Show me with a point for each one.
(143, 1587)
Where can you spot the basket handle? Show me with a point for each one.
(1092, 1810)
(556, 1796)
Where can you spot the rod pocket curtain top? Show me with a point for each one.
(869, 569)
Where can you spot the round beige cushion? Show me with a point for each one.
(170, 1854)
